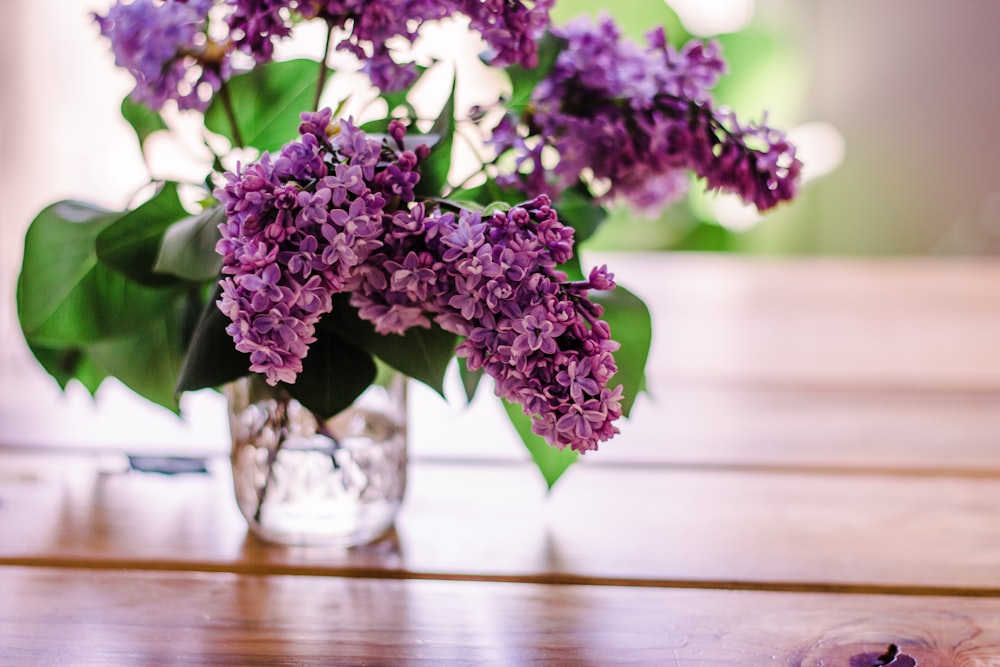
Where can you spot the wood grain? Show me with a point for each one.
(643, 526)
(814, 480)
(70, 617)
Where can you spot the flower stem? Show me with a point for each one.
(321, 79)
(281, 419)
(227, 106)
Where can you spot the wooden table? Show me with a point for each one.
(815, 480)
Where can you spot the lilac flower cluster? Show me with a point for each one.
(373, 26)
(637, 120)
(162, 43)
(492, 280)
(255, 25)
(511, 29)
(338, 214)
(509, 26)
(297, 227)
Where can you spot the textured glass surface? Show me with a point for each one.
(300, 481)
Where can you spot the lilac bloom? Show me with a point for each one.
(576, 377)
(405, 264)
(536, 333)
(164, 46)
(639, 120)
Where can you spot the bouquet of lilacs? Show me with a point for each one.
(340, 246)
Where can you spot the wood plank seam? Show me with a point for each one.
(554, 579)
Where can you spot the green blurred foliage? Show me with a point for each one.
(635, 17)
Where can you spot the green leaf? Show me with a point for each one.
(631, 326)
(633, 17)
(489, 193)
(61, 363)
(434, 170)
(523, 81)
(551, 461)
(188, 247)
(470, 380)
(705, 236)
(131, 243)
(335, 373)
(212, 359)
(89, 373)
(576, 208)
(149, 362)
(422, 354)
(143, 120)
(373, 128)
(65, 296)
(58, 254)
(267, 102)
(70, 363)
(86, 321)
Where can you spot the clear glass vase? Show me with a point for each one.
(304, 481)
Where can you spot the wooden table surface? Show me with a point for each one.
(813, 480)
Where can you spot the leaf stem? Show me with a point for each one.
(227, 106)
(321, 80)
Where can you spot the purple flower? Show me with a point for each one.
(494, 283)
(576, 378)
(510, 27)
(301, 160)
(369, 26)
(536, 332)
(289, 243)
(163, 44)
(638, 120)
(339, 215)
(255, 25)
(413, 276)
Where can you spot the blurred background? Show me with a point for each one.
(893, 104)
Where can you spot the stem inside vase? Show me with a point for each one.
(303, 480)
